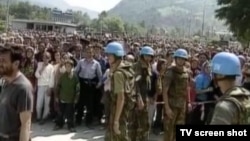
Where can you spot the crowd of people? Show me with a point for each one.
(131, 86)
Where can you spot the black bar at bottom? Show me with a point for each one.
(198, 132)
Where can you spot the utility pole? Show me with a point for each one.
(7, 16)
(101, 28)
(203, 18)
(189, 26)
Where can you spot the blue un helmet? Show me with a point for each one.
(181, 53)
(147, 51)
(225, 63)
(115, 48)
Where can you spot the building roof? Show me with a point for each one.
(44, 22)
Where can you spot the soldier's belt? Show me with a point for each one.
(160, 103)
(194, 103)
(201, 103)
(90, 82)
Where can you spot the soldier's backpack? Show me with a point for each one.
(130, 92)
(241, 98)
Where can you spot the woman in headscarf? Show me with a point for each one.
(29, 65)
(195, 66)
(202, 83)
(28, 69)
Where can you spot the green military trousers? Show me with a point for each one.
(179, 115)
(139, 125)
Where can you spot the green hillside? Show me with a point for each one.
(60, 4)
(184, 14)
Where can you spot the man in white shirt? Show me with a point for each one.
(105, 97)
(154, 65)
(45, 82)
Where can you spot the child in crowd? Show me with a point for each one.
(67, 96)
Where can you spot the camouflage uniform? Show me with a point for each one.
(177, 95)
(229, 110)
(119, 86)
(139, 129)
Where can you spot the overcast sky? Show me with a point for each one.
(96, 5)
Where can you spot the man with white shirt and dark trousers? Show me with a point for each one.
(45, 82)
(89, 73)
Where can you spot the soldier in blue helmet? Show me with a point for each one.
(121, 100)
(234, 106)
(175, 86)
(143, 72)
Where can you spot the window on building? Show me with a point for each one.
(44, 27)
(38, 27)
(30, 25)
(50, 28)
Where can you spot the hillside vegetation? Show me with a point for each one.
(60, 4)
(184, 14)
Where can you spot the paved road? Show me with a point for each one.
(45, 133)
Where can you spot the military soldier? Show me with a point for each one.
(120, 98)
(175, 87)
(143, 73)
(233, 106)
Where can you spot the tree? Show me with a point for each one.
(154, 30)
(77, 16)
(142, 24)
(80, 18)
(236, 14)
(103, 15)
(24, 10)
(86, 19)
(21, 10)
(163, 31)
(2, 12)
(114, 24)
(2, 26)
(40, 13)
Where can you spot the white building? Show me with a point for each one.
(20, 24)
(57, 15)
